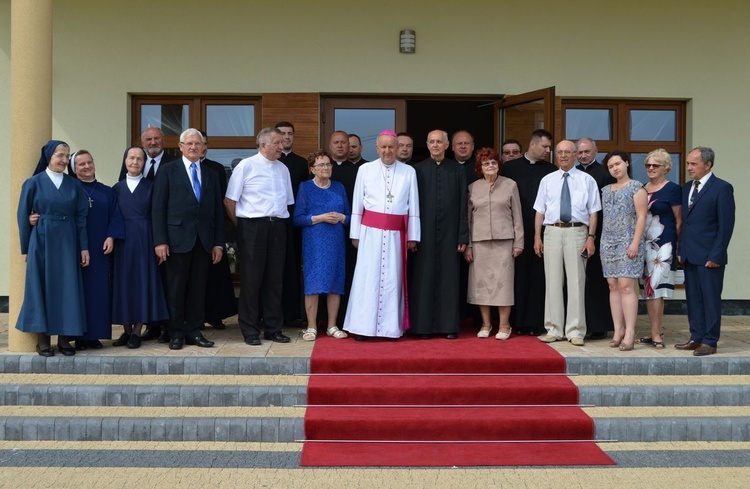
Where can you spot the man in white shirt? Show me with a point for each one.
(566, 204)
(258, 194)
(385, 221)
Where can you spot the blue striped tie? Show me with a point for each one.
(196, 182)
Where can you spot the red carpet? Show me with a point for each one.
(480, 403)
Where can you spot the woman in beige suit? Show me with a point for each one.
(496, 232)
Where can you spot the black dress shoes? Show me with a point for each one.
(424, 336)
(45, 352)
(359, 337)
(67, 351)
(176, 344)
(451, 336)
(82, 345)
(122, 340)
(599, 335)
(95, 344)
(134, 341)
(278, 337)
(253, 341)
(163, 338)
(199, 341)
(218, 324)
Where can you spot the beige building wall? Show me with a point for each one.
(670, 48)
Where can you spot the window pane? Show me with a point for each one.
(589, 123)
(653, 125)
(367, 124)
(639, 171)
(229, 157)
(171, 119)
(230, 120)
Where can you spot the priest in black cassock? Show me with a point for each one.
(220, 300)
(598, 312)
(462, 144)
(527, 316)
(344, 171)
(291, 295)
(434, 282)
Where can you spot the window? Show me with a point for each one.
(230, 122)
(635, 126)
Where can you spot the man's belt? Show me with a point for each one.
(566, 224)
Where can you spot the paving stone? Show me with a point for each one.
(231, 366)
(29, 429)
(230, 396)
(62, 429)
(203, 366)
(93, 429)
(110, 429)
(253, 429)
(260, 395)
(126, 431)
(740, 429)
(269, 428)
(107, 365)
(77, 429)
(174, 429)
(13, 428)
(158, 429)
(172, 395)
(189, 366)
(693, 428)
(148, 365)
(141, 429)
(679, 429)
(215, 393)
(25, 395)
(93, 365)
(287, 430)
(206, 429)
(217, 366)
(237, 430)
(222, 429)
(45, 428)
(709, 429)
(274, 395)
(190, 429)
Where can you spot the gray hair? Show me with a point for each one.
(445, 135)
(191, 132)
(584, 139)
(707, 154)
(265, 135)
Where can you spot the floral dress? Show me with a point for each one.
(618, 229)
(661, 241)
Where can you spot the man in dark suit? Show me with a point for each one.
(708, 209)
(598, 312)
(188, 223)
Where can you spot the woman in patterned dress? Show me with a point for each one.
(662, 231)
(624, 205)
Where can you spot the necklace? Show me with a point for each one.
(91, 201)
(388, 188)
(321, 186)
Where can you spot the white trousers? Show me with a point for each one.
(563, 260)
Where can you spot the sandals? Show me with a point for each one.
(626, 347)
(310, 334)
(336, 333)
(659, 345)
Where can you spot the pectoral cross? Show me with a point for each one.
(390, 198)
(91, 203)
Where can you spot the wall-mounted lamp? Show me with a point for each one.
(407, 41)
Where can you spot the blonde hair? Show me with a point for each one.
(661, 156)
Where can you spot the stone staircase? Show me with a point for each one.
(228, 399)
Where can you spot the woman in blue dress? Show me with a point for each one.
(138, 293)
(56, 247)
(322, 210)
(663, 225)
(624, 209)
(103, 225)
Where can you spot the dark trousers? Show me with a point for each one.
(598, 312)
(703, 293)
(186, 290)
(262, 248)
(529, 289)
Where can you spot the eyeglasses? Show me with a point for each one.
(653, 165)
(322, 165)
